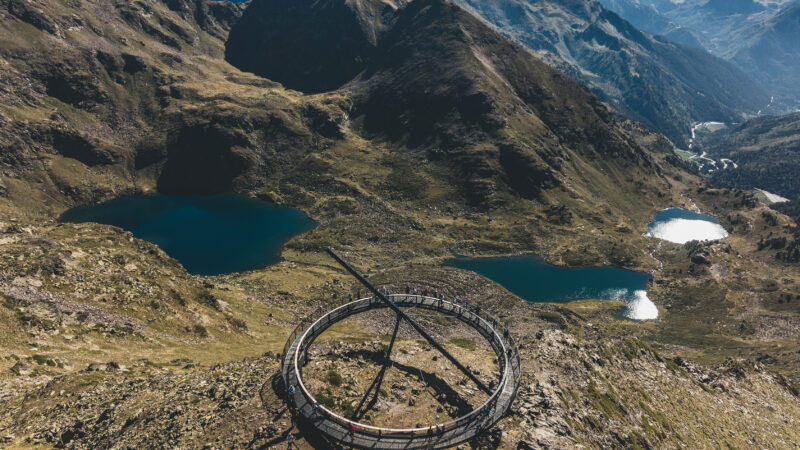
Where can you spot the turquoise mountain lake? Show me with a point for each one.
(209, 235)
(532, 279)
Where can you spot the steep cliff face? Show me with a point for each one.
(214, 17)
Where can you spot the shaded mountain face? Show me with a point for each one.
(664, 85)
(308, 45)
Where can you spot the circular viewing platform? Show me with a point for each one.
(435, 435)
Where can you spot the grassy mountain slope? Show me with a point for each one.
(497, 114)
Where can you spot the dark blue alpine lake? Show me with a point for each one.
(209, 235)
(532, 279)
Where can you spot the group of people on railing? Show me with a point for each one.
(442, 298)
(425, 292)
(431, 293)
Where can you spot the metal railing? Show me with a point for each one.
(487, 325)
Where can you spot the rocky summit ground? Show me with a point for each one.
(448, 140)
(581, 386)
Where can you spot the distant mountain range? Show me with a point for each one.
(664, 85)
(761, 38)
(771, 55)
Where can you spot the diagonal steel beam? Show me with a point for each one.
(413, 324)
(378, 381)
